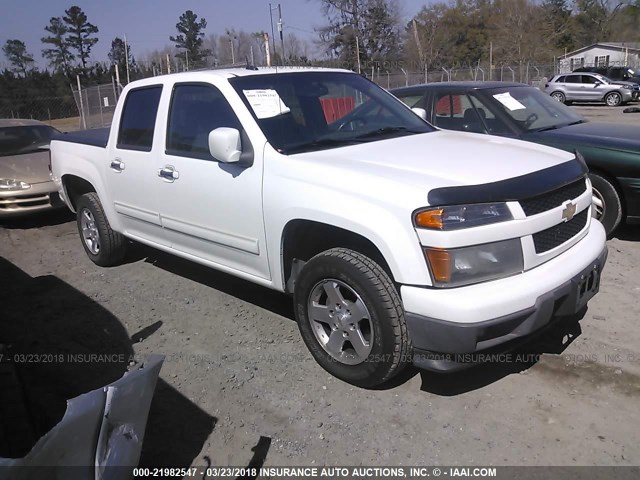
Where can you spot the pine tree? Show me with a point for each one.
(21, 61)
(80, 33)
(59, 56)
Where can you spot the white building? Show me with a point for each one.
(603, 54)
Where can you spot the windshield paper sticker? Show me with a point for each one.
(266, 103)
(508, 101)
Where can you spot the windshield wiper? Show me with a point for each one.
(319, 145)
(386, 131)
(545, 129)
(554, 127)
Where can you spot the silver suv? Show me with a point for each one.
(589, 87)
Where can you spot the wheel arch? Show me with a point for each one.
(616, 184)
(304, 238)
(74, 187)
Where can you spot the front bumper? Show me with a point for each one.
(450, 344)
(41, 196)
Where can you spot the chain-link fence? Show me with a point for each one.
(96, 104)
(55, 111)
(530, 74)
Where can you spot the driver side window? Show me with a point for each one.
(196, 110)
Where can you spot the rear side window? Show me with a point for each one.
(574, 79)
(560, 79)
(139, 119)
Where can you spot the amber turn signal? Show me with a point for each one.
(440, 262)
(430, 218)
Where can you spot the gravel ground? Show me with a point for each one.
(238, 385)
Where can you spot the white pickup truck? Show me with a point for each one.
(398, 242)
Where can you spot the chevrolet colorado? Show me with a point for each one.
(398, 242)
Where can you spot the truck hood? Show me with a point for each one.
(614, 136)
(439, 159)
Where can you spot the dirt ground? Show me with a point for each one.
(238, 385)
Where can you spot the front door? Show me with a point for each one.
(210, 209)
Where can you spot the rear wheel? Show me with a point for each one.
(103, 246)
(613, 99)
(607, 206)
(559, 96)
(351, 318)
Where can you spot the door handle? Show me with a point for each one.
(117, 165)
(168, 173)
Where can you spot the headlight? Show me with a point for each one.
(462, 216)
(462, 266)
(11, 184)
(628, 87)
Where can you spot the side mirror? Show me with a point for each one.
(225, 145)
(421, 112)
(597, 84)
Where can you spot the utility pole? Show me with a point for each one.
(233, 57)
(126, 57)
(418, 44)
(273, 34)
(267, 49)
(280, 28)
(490, 60)
(358, 53)
(168, 64)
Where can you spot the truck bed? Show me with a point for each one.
(96, 137)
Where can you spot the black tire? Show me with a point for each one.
(607, 193)
(559, 96)
(613, 99)
(388, 338)
(111, 246)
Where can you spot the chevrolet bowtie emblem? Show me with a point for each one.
(569, 211)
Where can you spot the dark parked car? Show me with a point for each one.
(625, 74)
(611, 150)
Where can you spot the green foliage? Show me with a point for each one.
(41, 96)
(80, 34)
(190, 37)
(16, 52)
(460, 33)
(121, 56)
(368, 28)
(58, 55)
(557, 24)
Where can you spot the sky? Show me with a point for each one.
(149, 23)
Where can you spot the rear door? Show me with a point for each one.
(131, 170)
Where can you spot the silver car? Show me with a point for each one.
(589, 87)
(25, 184)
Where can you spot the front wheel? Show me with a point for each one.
(103, 246)
(350, 317)
(607, 206)
(613, 99)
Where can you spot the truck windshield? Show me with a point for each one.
(306, 111)
(24, 139)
